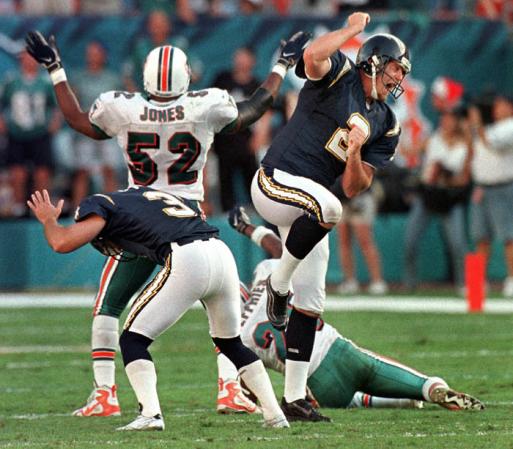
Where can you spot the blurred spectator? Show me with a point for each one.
(447, 9)
(344, 6)
(159, 32)
(179, 8)
(6, 191)
(446, 93)
(248, 7)
(94, 156)
(443, 191)
(358, 217)
(492, 169)
(235, 152)
(229, 8)
(312, 7)
(100, 6)
(9, 7)
(29, 119)
(6, 196)
(47, 7)
(495, 10)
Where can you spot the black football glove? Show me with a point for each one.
(238, 219)
(292, 50)
(44, 52)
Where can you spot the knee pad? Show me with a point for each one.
(134, 346)
(430, 381)
(300, 336)
(305, 233)
(104, 332)
(332, 211)
(234, 349)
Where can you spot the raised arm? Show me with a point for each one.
(252, 109)
(317, 54)
(46, 53)
(63, 239)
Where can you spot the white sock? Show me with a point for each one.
(225, 368)
(280, 277)
(104, 342)
(255, 377)
(296, 375)
(143, 378)
(362, 400)
(104, 373)
(428, 384)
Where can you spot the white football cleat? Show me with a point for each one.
(507, 289)
(102, 401)
(378, 288)
(278, 422)
(231, 399)
(348, 287)
(145, 423)
(453, 400)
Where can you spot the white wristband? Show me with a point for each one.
(259, 233)
(58, 76)
(280, 70)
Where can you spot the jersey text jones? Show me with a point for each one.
(162, 115)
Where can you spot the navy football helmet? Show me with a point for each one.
(377, 51)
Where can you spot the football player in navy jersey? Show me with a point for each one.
(195, 264)
(341, 126)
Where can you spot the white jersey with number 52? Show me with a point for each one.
(166, 144)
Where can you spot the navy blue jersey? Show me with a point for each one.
(145, 221)
(313, 144)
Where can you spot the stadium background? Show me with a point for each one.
(474, 51)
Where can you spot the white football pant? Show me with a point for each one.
(201, 270)
(280, 200)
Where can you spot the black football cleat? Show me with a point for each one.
(302, 410)
(276, 307)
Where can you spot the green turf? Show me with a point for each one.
(39, 389)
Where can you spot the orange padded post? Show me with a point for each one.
(475, 271)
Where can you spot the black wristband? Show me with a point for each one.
(55, 66)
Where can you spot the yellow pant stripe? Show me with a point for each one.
(289, 195)
(149, 293)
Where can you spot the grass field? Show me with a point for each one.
(45, 373)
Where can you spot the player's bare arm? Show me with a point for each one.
(357, 175)
(63, 239)
(476, 123)
(46, 53)
(317, 54)
(262, 99)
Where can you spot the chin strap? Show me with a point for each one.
(374, 92)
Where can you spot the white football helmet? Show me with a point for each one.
(166, 72)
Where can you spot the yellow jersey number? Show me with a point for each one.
(176, 206)
(338, 142)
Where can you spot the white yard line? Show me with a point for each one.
(26, 300)
(32, 349)
(333, 303)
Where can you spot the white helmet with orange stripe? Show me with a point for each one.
(166, 72)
